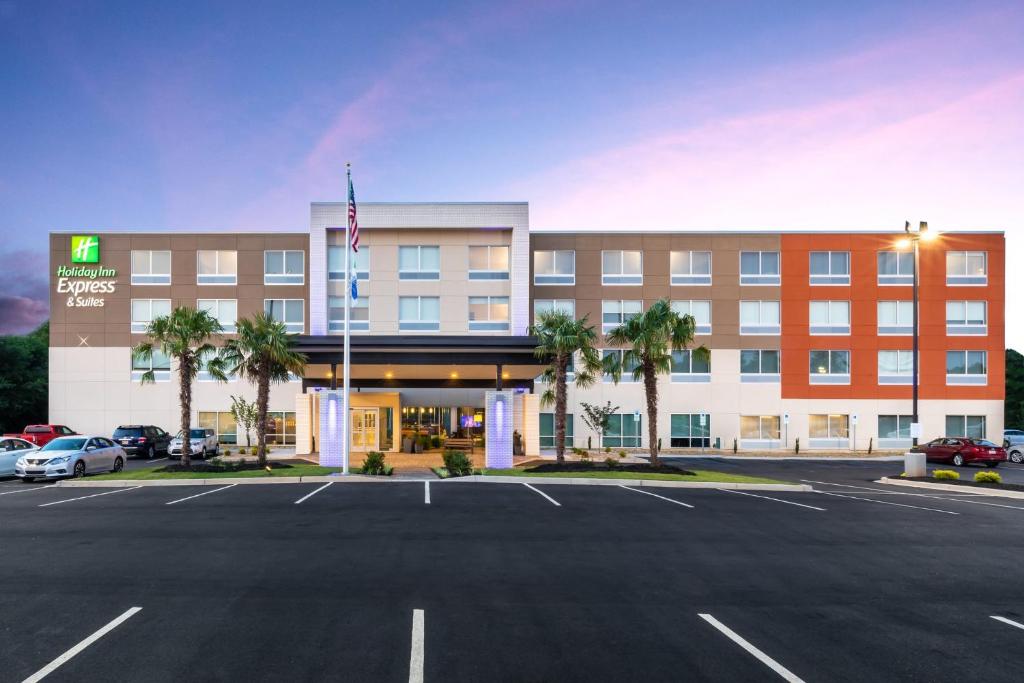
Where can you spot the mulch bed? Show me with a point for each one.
(202, 466)
(579, 467)
(966, 484)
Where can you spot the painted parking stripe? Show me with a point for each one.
(952, 497)
(204, 493)
(782, 671)
(777, 500)
(1011, 622)
(57, 663)
(887, 502)
(34, 488)
(310, 495)
(95, 495)
(677, 502)
(535, 490)
(845, 486)
(426, 492)
(416, 650)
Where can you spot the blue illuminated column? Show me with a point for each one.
(499, 426)
(332, 428)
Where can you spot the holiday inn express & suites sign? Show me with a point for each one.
(82, 283)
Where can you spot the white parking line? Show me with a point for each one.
(34, 488)
(310, 495)
(782, 671)
(426, 492)
(57, 663)
(416, 650)
(1011, 622)
(886, 502)
(677, 502)
(951, 497)
(846, 486)
(777, 500)
(553, 501)
(204, 493)
(158, 459)
(105, 493)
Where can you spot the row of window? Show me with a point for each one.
(423, 262)
(693, 430)
(219, 267)
(280, 427)
(626, 267)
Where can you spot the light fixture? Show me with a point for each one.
(454, 375)
(505, 375)
(388, 374)
(903, 244)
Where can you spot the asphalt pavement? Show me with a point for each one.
(460, 581)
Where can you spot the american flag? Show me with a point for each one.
(353, 223)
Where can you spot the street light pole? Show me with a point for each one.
(914, 237)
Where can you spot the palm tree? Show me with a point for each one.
(650, 338)
(263, 352)
(559, 337)
(183, 336)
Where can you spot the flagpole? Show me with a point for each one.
(345, 365)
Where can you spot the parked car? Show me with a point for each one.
(71, 456)
(144, 440)
(960, 451)
(11, 449)
(204, 444)
(1013, 437)
(40, 435)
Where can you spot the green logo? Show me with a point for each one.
(85, 249)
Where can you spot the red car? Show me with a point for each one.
(960, 451)
(41, 435)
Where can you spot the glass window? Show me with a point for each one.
(700, 310)
(966, 318)
(830, 367)
(966, 426)
(966, 367)
(690, 267)
(422, 313)
(759, 268)
(159, 363)
(759, 317)
(554, 267)
(830, 317)
(291, 312)
(966, 267)
(895, 317)
(627, 368)
(144, 311)
(895, 366)
(894, 427)
(547, 430)
(830, 267)
(759, 427)
(488, 312)
(217, 267)
(623, 431)
(284, 267)
(360, 263)
(759, 362)
(224, 311)
(358, 313)
(615, 313)
(689, 432)
(622, 267)
(281, 428)
(419, 263)
(687, 366)
(151, 267)
(565, 305)
(488, 263)
(895, 267)
(222, 423)
(831, 427)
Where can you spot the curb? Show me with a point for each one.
(222, 481)
(791, 458)
(642, 483)
(951, 487)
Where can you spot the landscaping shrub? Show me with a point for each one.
(435, 442)
(457, 463)
(374, 463)
(241, 451)
(988, 478)
(265, 450)
(226, 452)
(576, 450)
(622, 454)
(607, 449)
(611, 463)
(946, 474)
(424, 442)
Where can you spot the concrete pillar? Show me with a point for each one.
(333, 428)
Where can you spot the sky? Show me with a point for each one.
(643, 115)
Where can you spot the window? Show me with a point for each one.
(216, 267)
(966, 318)
(488, 263)
(966, 367)
(291, 312)
(690, 267)
(759, 365)
(701, 312)
(225, 311)
(422, 313)
(360, 263)
(759, 317)
(281, 428)
(547, 430)
(144, 311)
(830, 267)
(623, 430)
(966, 268)
(688, 367)
(896, 268)
(829, 431)
(830, 367)
(622, 267)
(419, 263)
(614, 313)
(204, 375)
(358, 314)
(284, 267)
(966, 426)
(895, 367)
(222, 423)
(160, 364)
(759, 430)
(690, 430)
(894, 431)
(567, 306)
(151, 267)
(830, 317)
(627, 368)
(488, 313)
(759, 268)
(554, 267)
(895, 317)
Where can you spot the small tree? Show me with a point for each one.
(246, 413)
(596, 418)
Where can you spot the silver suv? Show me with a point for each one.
(203, 441)
(1013, 440)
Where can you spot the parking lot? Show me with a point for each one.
(464, 581)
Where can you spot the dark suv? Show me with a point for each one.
(142, 440)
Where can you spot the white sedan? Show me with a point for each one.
(10, 450)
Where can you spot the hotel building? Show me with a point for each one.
(809, 332)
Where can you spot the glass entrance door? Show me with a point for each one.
(364, 429)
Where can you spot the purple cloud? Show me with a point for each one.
(19, 314)
(24, 304)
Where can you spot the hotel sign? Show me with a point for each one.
(81, 283)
